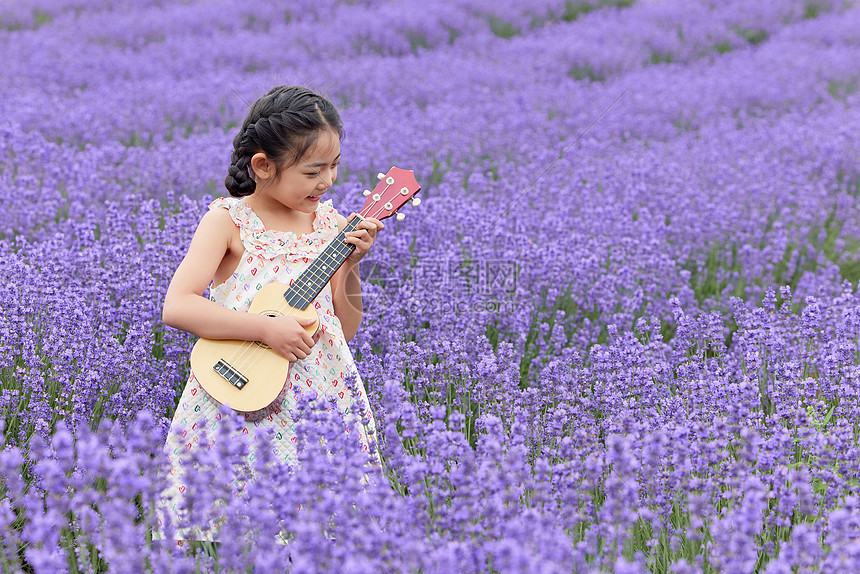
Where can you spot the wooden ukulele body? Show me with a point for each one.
(248, 375)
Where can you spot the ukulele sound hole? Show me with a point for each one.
(267, 313)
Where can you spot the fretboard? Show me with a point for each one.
(317, 275)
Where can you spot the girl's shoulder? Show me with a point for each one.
(232, 206)
(225, 215)
(217, 227)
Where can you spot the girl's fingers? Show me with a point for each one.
(370, 223)
(363, 237)
(361, 234)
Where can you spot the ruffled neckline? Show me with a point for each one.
(257, 225)
(258, 239)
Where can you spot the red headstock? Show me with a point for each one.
(393, 190)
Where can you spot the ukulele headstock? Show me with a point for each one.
(394, 189)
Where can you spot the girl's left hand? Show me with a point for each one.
(363, 237)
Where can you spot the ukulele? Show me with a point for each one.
(249, 375)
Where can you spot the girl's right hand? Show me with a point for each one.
(287, 336)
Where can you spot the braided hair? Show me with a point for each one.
(283, 124)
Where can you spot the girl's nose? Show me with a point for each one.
(326, 180)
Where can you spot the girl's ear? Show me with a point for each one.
(261, 166)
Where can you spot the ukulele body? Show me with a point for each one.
(248, 375)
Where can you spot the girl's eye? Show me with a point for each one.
(316, 173)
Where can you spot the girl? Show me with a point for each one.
(284, 159)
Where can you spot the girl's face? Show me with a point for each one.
(300, 186)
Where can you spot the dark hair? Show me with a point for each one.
(283, 124)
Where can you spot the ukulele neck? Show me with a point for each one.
(314, 279)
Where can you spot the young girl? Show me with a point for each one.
(284, 159)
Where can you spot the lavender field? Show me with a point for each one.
(621, 333)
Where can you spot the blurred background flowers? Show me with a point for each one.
(628, 347)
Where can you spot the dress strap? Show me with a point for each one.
(228, 203)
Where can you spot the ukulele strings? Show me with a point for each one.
(258, 350)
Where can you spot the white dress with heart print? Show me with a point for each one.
(271, 256)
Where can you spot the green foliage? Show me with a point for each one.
(502, 28)
(813, 9)
(841, 90)
(453, 34)
(581, 72)
(134, 139)
(662, 58)
(752, 35)
(849, 181)
(573, 10)
(723, 47)
(40, 18)
(721, 266)
(417, 40)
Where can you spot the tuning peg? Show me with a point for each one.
(380, 175)
(416, 201)
(401, 216)
(366, 192)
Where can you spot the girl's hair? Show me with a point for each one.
(283, 124)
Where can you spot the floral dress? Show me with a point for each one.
(270, 256)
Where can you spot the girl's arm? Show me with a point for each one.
(346, 298)
(185, 307)
(346, 284)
